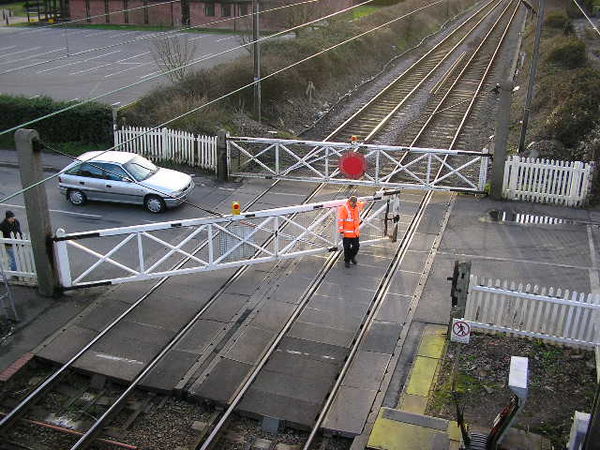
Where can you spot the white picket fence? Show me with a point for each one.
(164, 144)
(23, 257)
(547, 181)
(558, 316)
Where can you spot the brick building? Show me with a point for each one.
(197, 13)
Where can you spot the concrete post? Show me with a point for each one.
(36, 207)
(501, 138)
(532, 75)
(256, 58)
(222, 169)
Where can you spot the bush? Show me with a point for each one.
(93, 121)
(331, 73)
(575, 105)
(569, 54)
(559, 21)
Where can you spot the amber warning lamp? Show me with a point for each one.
(235, 208)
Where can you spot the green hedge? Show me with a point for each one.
(90, 123)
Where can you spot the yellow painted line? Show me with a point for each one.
(433, 342)
(422, 375)
(391, 435)
(413, 403)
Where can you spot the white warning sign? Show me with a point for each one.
(461, 331)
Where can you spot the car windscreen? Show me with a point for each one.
(140, 168)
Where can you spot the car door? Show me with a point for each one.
(119, 185)
(89, 178)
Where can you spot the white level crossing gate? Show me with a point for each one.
(144, 252)
(387, 166)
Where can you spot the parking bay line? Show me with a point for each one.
(93, 216)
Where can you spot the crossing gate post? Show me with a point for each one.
(62, 260)
(36, 207)
(222, 158)
(460, 289)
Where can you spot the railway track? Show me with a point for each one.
(368, 122)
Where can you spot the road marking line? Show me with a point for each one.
(513, 260)
(19, 51)
(93, 216)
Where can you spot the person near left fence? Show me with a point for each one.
(11, 229)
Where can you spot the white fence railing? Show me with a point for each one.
(565, 317)
(23, 257)
(559, 182)
(169, 145)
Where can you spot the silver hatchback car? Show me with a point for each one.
(123, 177)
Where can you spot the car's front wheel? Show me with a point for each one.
(154, 204)
(76, 197)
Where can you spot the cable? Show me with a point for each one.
(84, 102)
(151, 36)
(186, 201)
(586, 16)
(62, 24)
(25, 189)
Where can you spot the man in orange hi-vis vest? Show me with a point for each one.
(348, 226)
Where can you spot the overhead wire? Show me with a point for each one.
(183, 66)
(166, 194)
(235, 91)
(70, 22)
(151, 36)
(587, 18)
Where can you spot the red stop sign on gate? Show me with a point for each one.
(353, 165)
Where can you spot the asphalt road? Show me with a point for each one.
(50, 61)
(97, 215)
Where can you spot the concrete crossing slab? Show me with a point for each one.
(292, 410)
(199, 336)
(349, 421)
(249, 345)
(103, 315)
(338, 306)
(382, 337)
(330, 319)
(168, 312)
(319, 351)
(123, 354)
(366, 370)
(302, 366)
(271, 316)
(66, 344)
(222, 382)
(228, 306)
(290, 385)
(320, 333)
(168, 371)
(394, 308)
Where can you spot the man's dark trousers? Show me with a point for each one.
(351, 247)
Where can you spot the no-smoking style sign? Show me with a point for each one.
(461, 331)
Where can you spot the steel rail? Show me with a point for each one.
(380, 295)
(463, 71)
(52, 378)
(381, 292)
(379, 100)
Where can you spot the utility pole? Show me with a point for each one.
(256, 53)
(501, 138)
(532, 74)
(36, 208)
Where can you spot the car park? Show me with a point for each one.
(123, 177)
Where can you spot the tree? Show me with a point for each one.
(173, 54)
